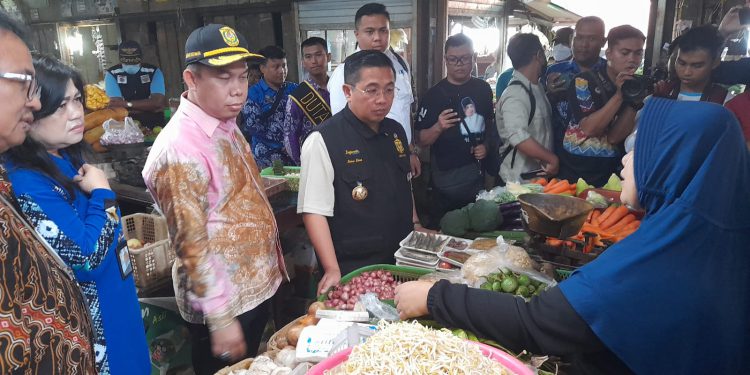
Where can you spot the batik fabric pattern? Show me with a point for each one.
(266, 137)
(44, 323)
(202, 174)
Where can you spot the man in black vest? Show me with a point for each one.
(136, 86)
(355, 194)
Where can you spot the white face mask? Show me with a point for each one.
(561, 52)
(131, 69)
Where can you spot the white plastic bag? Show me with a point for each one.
(121, 132)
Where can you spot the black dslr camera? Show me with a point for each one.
(637, 89)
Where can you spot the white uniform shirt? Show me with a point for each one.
(401, 108)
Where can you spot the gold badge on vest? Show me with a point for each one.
(359, 193)
(399, 145)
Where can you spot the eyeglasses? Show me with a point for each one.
(33, 91)
(453, 60)
(373, 93)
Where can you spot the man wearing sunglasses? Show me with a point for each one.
(40, 335)
(355, 194)
(456, 120)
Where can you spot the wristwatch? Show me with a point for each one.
(129, 104)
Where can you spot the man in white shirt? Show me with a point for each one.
(372, 29)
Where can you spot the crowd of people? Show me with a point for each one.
(69, 303)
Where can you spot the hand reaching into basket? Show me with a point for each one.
(411, 299)
(91, 178)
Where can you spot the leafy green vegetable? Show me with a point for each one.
(455, 223)
(484, 216)
(613, 183)
(505, 197)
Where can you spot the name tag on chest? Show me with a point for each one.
(145, 78)
(122, 79)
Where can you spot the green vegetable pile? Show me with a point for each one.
(482, 216)
(507, 281)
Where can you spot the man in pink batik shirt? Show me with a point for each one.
(202, 175)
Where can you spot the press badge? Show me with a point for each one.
(122, 79)
(145, 78)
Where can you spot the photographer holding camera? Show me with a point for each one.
(602, 115)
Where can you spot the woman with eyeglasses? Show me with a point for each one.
(73, 208)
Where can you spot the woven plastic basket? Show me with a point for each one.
(401, 274)
(152, 264)
(278, 339)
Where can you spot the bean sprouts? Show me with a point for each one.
(410, 348)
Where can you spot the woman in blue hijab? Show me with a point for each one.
(674, 297)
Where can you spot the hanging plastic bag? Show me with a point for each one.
(121, 132)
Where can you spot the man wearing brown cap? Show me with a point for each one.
(202, 175)
(136, 86)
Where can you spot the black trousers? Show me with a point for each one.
(253, 324)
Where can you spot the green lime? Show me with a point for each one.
(486, 285)
(497, 286)
(523, 291)
(531, 289)
(509, 285)
(524, 280)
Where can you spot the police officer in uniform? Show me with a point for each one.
(355, 194)
(137, 86)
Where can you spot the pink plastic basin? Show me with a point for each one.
(511, 363)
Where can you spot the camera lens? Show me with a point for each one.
(634, 89)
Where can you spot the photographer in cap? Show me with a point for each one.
(136, 86)
(203, 177)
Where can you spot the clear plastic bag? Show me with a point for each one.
(503, 256)
(377, 308)
(121, 132)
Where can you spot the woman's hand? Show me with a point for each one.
(228, 343)
(91, 178)
(411, 299)
(330, 279)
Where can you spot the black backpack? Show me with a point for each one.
(532, 100)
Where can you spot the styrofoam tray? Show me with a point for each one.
(434, 251)
(402, 256)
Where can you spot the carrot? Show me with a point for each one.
(629, 218)
(557, 184)
(554, 242)
(595, 215)
(559, 188)
(605, 214)
(632, 226)
(541, 181)
(591, 214)
(616, 216)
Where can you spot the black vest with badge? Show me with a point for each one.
(137, 87)
(373, 201)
